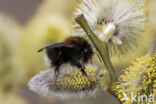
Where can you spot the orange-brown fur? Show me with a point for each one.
(77, 41)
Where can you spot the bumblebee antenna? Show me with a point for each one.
(99, 57)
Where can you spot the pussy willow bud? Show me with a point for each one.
(70, 83)
(139, 79)
(120, 23)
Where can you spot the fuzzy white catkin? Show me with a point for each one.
(44, 84)
(128, 16)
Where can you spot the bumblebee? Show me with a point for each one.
(73, 50)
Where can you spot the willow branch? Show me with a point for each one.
(100, 46)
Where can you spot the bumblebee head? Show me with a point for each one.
(86, 52)
(83, 47)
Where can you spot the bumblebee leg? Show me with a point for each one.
(83, 66)
(77, 64)
(56, 73)
(83, 71)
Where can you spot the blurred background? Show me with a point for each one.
(26, 26)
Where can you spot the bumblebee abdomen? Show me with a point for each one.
(61, 55)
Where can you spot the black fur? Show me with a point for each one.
(62, 53)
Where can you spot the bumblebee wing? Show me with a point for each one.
(57, 45)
